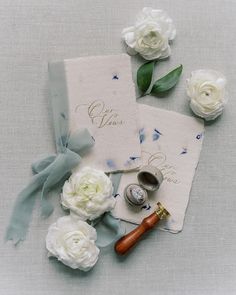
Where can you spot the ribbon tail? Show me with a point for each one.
(23, 208)
(40, 165)
(109, 230)
(115, 179)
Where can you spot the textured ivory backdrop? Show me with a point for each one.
(200, 260)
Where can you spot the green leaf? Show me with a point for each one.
(167, 82)
(144, 76)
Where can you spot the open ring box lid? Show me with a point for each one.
(150, 177)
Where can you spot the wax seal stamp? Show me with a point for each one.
(125, 243)
(149, 179)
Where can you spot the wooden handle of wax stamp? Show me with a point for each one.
(123, 245)
(128, 241)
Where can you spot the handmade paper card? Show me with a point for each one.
(101, 98)
(172, 142)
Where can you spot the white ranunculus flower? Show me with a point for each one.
(206, 89)
(72, 241)
(88, 194)
(150, 35)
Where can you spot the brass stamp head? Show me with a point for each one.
(161, 211)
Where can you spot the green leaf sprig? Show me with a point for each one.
(144, 76)
(162, 85)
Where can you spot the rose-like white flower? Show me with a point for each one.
(150, 35)
(88, 194)
(72, 241)
(206, 89)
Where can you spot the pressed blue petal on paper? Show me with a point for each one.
(184, 151)
(131, 160)
(199, 136)
(111, 164)
(146, 207)
(156, 134)
(141, 135)
(115, 77)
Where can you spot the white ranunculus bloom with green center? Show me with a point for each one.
(88, 194)
(150, 35)
(206, 89)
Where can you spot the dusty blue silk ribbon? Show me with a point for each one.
(51, 171)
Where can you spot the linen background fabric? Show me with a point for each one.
(201, 259)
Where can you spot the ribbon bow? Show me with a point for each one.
(48, 173)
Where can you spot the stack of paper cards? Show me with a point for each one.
(101, 97)
(172, 142)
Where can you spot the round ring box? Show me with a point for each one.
(149, 179)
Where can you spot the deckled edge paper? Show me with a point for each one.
(172, 142)
(101, 97)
